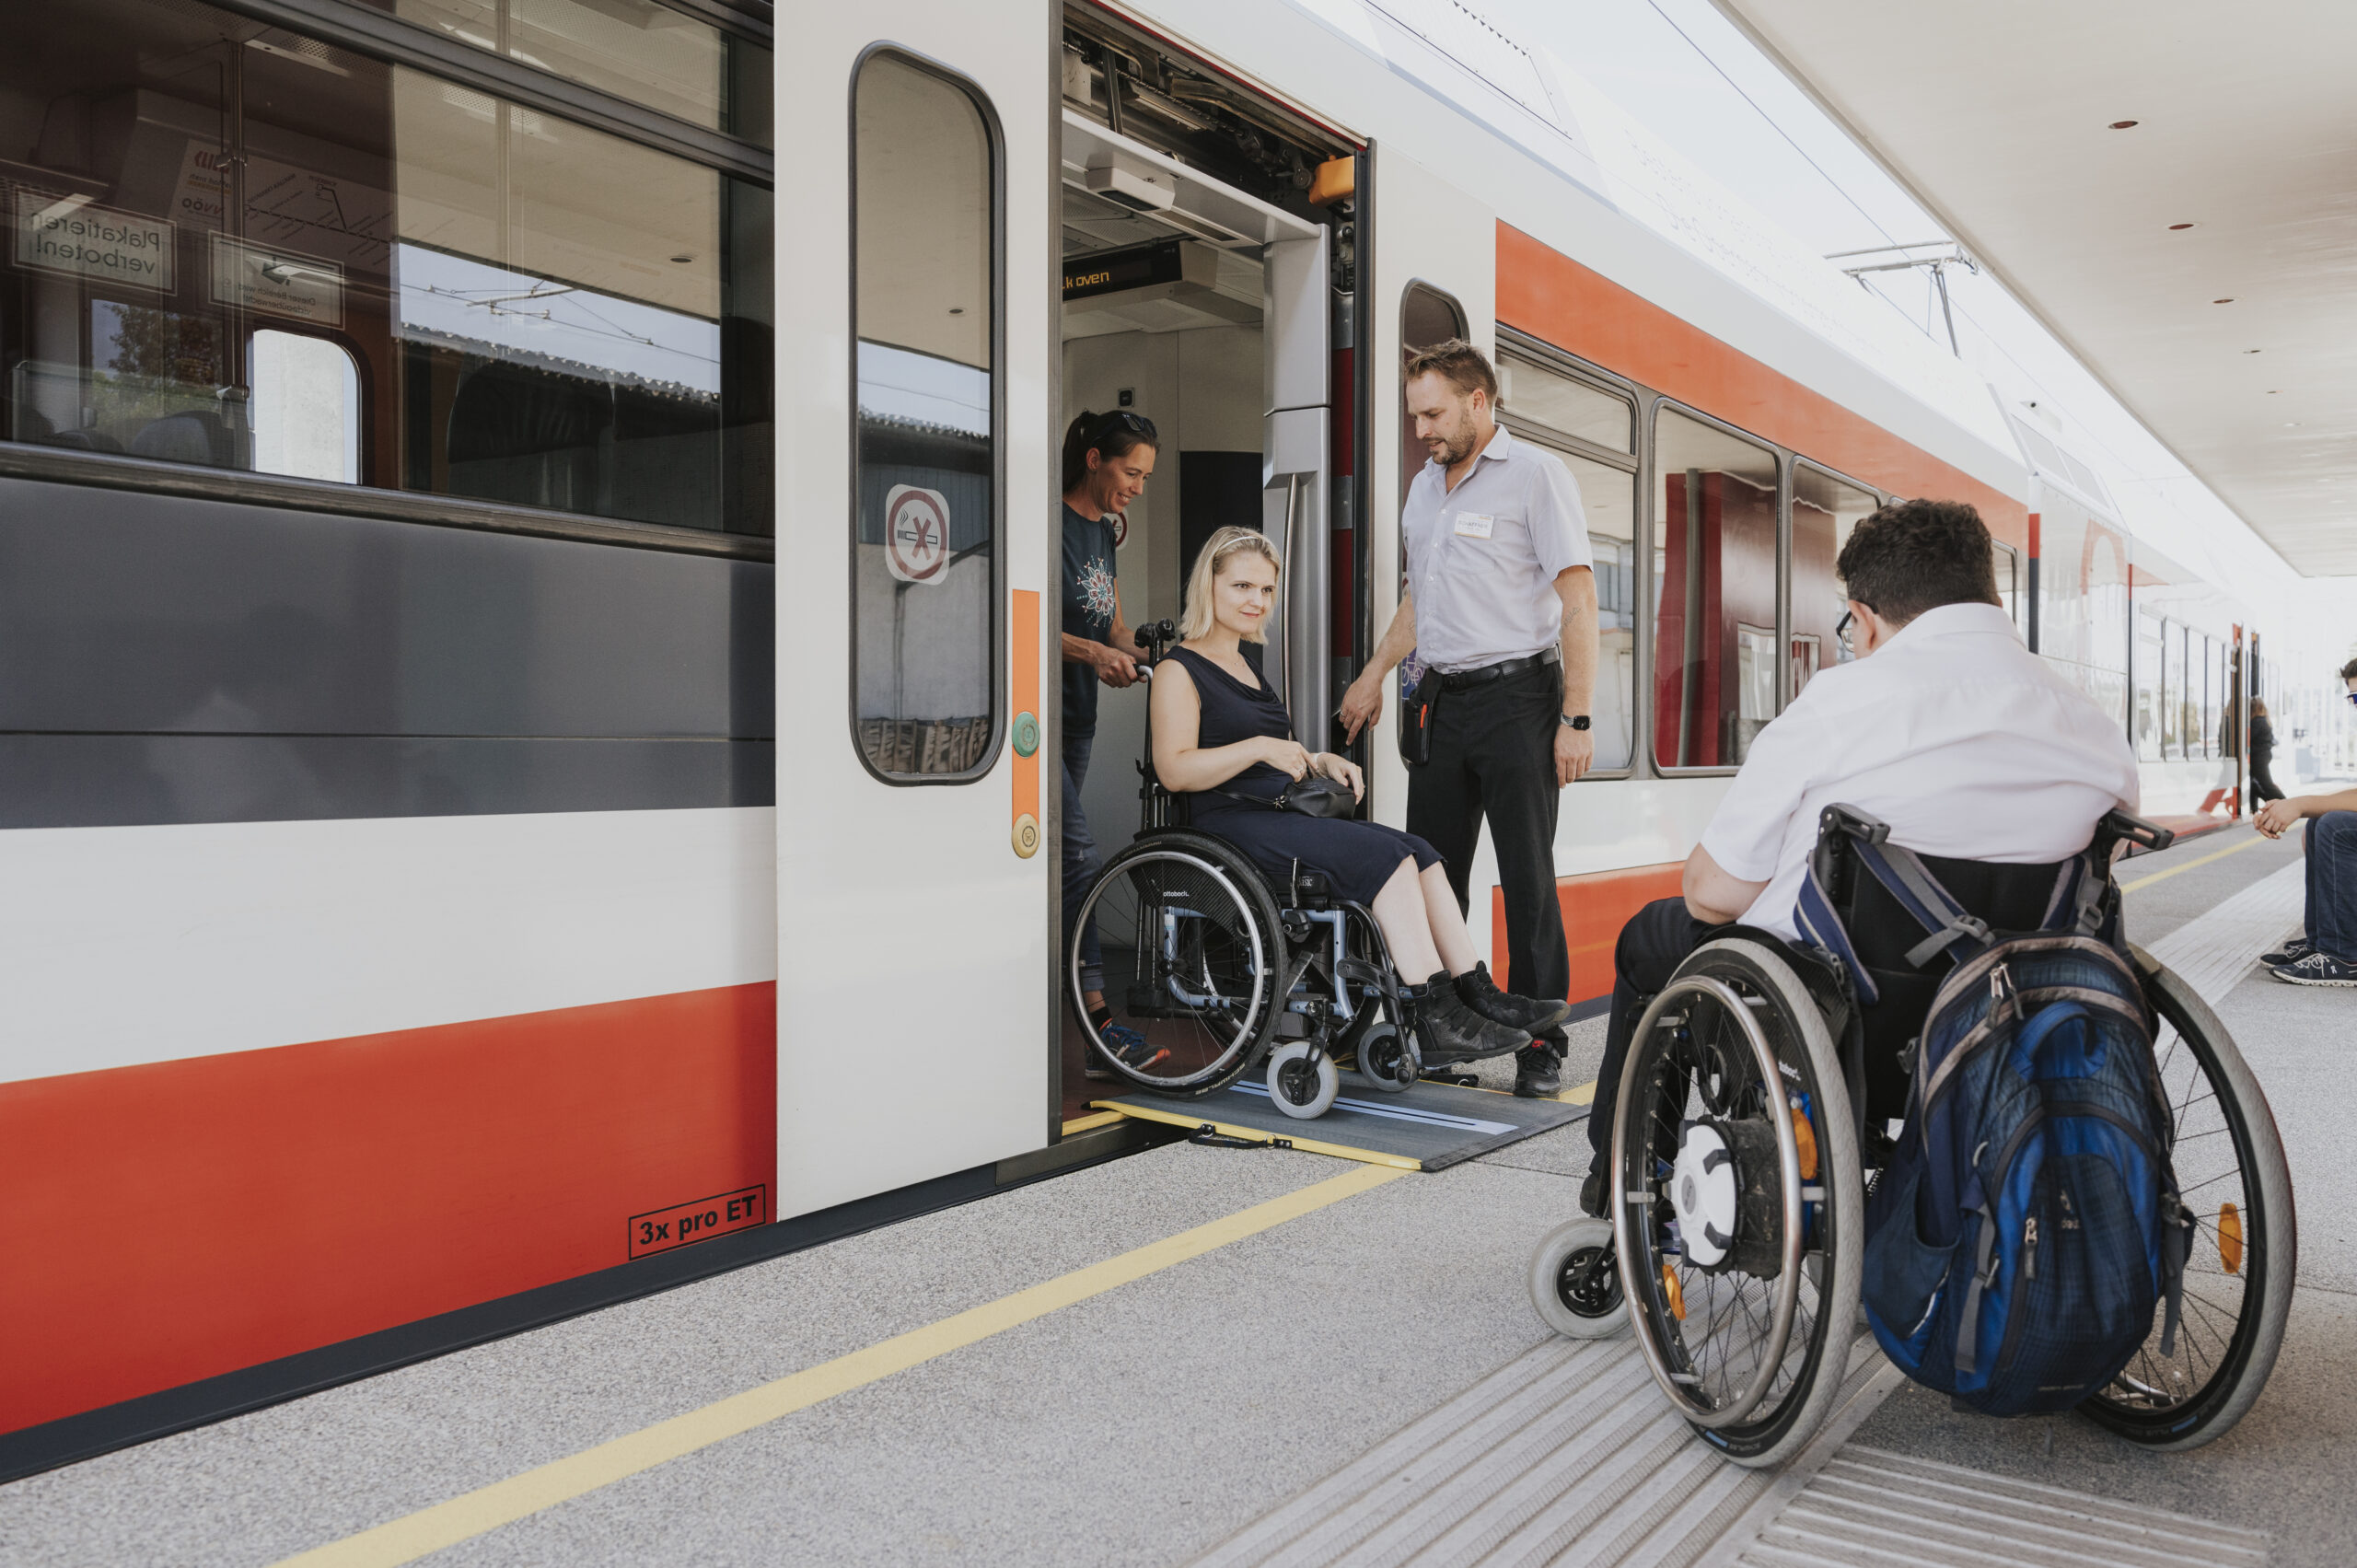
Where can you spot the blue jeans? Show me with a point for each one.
(1081, 862)
(2332, 884)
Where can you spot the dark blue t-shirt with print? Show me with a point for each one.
(1088, 610)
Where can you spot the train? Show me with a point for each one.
(527, 599)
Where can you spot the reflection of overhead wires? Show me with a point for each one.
(501, 304)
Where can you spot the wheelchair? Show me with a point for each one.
(1223, 974)
(1762, 1047)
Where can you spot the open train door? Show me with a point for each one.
(914, 372)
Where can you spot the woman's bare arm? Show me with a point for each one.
(1184, 766)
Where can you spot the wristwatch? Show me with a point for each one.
(1573, 721)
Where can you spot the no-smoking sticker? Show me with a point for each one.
(916, 534)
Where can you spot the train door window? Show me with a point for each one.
(306, 407)
(1589, 429)
(537, 312)
(1426, 316)
(1714, 531)
(926, 277)
(2083, 623)
(1825, 508)
(2145, 666)
(640, 50)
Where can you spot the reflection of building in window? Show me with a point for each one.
(1720, 565)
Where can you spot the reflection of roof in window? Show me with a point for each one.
(556, 365)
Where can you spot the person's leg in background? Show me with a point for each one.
(1656, 939)
(2263, 787)
(1081, 866)
(2332, 958)
(1512, 752)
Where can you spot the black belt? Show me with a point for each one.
(1459, 680)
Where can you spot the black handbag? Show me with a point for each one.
(1314, 796)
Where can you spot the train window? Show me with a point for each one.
(1825, 509)
(1608, 497)
(1714, 535)
(2007, 563)
(2146, 667)
(306, 407)
(926, 281)
(2082, 618)
(1534, 393)
(640, 50)
(2172, 705)
(527, 311)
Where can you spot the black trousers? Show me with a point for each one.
(1493, 754)
(1657, 939)
(2263, 787)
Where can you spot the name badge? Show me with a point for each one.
(1475, 525)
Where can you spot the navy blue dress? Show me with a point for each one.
(1358, 858)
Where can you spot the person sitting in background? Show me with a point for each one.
(1223, 741)
(2326, 954)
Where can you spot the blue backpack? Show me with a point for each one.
(2028, 1221)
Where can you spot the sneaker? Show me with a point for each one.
(2317, 969)
(1135, 1051)
(1532, 1016)
(1450, 1031)
(1537, 1073)
(2292, 952)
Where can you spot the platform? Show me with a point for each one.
(1204, 1354)
(1428, 1126)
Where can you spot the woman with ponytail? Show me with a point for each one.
(1107, 460)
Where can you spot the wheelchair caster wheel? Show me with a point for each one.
(1303, 1080)
(1387, 1059)
(1575, 1282)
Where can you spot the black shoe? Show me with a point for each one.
(1122, 1041)
(1451, 1031)
(1532, 1016)
(1537, 1073)
(1592, 1193)
(2292, 952)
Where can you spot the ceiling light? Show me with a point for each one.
(2123, 124)
(2291, 424)
(2250, 351)
(2177, 225)
(2228, 300)
(683, 258)
(2272, 391)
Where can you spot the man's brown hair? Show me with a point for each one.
(1458, 363)
(1917, 555)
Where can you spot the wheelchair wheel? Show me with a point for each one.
(1575, 1284)
(2245, 1253)
(1738, 1203)
(1303, 1080)
(1387, 1059)
(1195, 962)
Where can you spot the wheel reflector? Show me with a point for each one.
(2230, 1238)
(1805, 1136)
(1676, 1296)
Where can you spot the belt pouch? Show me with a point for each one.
(1418, 710)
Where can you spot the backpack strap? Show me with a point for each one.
(1819, 926)
(1984, 1274)
(1930, 905)
(2082, 894)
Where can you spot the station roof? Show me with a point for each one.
(2000, 117)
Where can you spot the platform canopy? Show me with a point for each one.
(2235, 340)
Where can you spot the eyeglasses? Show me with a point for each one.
(1841, 629)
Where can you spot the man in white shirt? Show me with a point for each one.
(1944, 725)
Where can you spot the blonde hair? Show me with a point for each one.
(1196, 620)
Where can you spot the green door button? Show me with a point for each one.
(1026, 734)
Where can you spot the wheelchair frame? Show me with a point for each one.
(1328, 969)
(1586, 1272)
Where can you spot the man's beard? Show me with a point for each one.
(1453, 452)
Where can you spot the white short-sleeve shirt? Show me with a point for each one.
(1482, 559)
(1967, 743)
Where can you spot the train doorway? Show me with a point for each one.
(1207, 287)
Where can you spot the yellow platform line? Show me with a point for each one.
(2251, 842)
(1090, 1123)
(413, 1536)
(1261, 1135)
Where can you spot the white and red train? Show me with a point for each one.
(528, 683)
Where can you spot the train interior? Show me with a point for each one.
(1198, 277)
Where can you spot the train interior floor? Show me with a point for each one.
(1249, 1356)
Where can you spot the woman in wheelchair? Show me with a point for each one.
(1224, 742)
